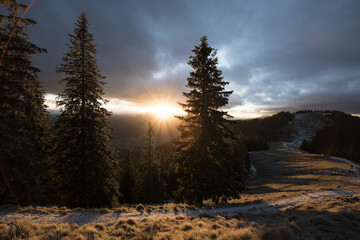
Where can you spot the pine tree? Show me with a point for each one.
(24, 126)
(149, 187)
(85, 161)
(127, 179)
(208, 167)
(351, 152)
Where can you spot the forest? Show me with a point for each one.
(256, 133)
(72, 160)
(340, 138)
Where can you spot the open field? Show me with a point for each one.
(294, 195)
(332, 218)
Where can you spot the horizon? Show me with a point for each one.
(132, 110)
(183, 119)
(283, 57)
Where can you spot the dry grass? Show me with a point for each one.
(124, 208)
(334, 218)
(281, 174)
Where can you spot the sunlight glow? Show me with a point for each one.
(50, 101)
(163, 111)
(248, 111)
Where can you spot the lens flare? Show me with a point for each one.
(163, 111)
(2, 168)
(13, 31)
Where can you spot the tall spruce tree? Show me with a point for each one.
(85, 161)
(210, 160)
(24, 126)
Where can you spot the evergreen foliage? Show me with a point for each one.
(86, 166)
(148, 185)
(340, 138)
(168, 173)
(127, 181)
(256, 133)
(208, 166)
(24, 126)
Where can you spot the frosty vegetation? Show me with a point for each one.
(196, 186)
(74, 163)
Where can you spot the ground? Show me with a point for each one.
(294, 195)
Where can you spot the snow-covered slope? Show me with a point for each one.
(304, 126)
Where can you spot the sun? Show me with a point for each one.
(163, 111)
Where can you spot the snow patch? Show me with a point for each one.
(304, 126)
(109, 219)
(252, 171)
(343, 160)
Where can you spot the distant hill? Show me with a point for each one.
(256, 133)
(323, 132)
(304, 126)
(340, 137)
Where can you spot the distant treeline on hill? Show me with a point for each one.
(256, 133)
(315, 111)
(341, 138)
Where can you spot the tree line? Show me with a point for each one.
(256, 133)
(73, 164)
(340, 138)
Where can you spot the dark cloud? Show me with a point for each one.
(277, 56)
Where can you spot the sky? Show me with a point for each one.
(281, 55)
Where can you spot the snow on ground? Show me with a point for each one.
(109, 219)
(343, 160)
(270, 207)
(252, 171)
(304, 126)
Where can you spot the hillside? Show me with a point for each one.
(256, 133)
(339, 137)
(292, 195)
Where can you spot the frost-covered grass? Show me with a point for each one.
(284, 180)
(335, 218)
(124, 208)
(294, 195)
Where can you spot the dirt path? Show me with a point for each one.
(285, 179)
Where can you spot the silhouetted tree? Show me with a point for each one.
(304, 145)
(149, 186)
(339, 138)
(86, 163)
(127, 179)
(24, 128)
(352, 154)
(208, 167)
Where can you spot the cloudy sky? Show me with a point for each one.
(277, 55)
